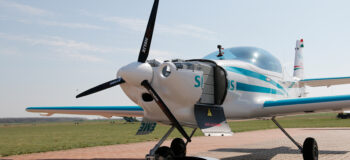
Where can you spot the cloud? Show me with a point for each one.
(68, 48)
(181, 29)
(57, 24)
(79, 56)
(25, 8)
(54, 41)
(139, 25)
(133, 24)
(8, 51)
(82, 50)
(71, 25)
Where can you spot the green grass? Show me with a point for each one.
(299, 121)
(30, 138)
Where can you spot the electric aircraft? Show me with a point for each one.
(231, 83)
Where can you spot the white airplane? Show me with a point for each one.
(231, 83)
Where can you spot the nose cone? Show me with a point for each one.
(136, 72)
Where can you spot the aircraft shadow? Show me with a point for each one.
(98, 159)
(188, 158)
(266, 154)
(327, 129)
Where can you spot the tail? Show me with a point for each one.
(298, 63)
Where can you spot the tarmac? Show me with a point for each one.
(333, 143)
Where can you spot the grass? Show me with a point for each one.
(31, 138)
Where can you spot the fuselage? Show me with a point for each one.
(239, 81)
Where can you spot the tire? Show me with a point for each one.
(164, 153)
(178, 147)
(310, 149)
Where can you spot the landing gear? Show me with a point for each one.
(164, 152)
(309, 148)
(177, 148)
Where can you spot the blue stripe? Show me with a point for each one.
(255, 75)
(315, 79)
(291, 85)
(307, 100)
(253, 88)
(110, 108)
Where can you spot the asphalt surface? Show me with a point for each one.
(333, 143)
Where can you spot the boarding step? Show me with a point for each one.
(211, 120)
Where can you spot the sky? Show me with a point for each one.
(52, 50)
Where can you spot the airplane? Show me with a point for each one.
(228, 84)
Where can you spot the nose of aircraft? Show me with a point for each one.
(136, 72)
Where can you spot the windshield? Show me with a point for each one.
(253, 55)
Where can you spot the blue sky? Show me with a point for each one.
(52, 50)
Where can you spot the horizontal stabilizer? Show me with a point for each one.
(106, 111)
(325, 81)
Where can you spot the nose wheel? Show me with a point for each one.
(309, 148)
(177, 148)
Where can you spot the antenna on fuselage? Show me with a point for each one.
(220, 52)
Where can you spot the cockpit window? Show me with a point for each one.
(256, 56)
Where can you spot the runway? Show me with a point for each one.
(333, 143)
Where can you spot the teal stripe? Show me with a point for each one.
(109, 108)
(307, 100)
(291, 85)
(315, 79)
(255, 75)
(253, 88)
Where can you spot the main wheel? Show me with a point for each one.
(164, 153)
(310, 149)
(178, 147)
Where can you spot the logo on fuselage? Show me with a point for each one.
(198, 82)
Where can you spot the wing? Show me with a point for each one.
(309, 104)
(106, 111)
(325, 81)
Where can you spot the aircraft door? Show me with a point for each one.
(214, 84)
(208, 111)
(220, 86)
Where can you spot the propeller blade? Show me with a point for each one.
(101, 87)
(147, 39)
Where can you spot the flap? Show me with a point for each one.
(325, 81)
(106, 111)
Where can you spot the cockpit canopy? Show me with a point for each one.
(253, 55)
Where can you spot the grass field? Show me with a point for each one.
(30, 138)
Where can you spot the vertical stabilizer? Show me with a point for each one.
(298, 63)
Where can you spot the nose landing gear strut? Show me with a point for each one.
(178, 146)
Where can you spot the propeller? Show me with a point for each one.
(101, 87)
(140, 69)
(147, 39)
(146, 44)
